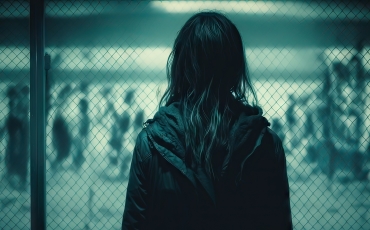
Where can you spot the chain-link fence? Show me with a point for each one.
(309, 62)
(14, 115)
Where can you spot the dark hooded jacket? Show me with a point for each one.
(165, 191)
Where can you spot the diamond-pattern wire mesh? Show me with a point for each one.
(14, 116)
(108, 60)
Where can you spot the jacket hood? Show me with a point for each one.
(167, 128)
(167, 134)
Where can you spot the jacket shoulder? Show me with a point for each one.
(273, 141)
(142, 146)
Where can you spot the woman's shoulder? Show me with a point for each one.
(274, 137)
(273, 142)
(143, 146)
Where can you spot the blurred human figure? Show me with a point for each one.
(82, 138)
(17, 125)
(292, 123)
(62, 140)
(342, 78)
(356, 111)
(358, 72)
(341, 98)
(120, 127)
(136, 113)
(278, 128)
(348, 108)
(310, 135)
(103, 116)
(25, 148)
(336, 140)
(11, 122)
(138, 122)
(326, 151)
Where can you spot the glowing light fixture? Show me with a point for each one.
(298, 9)
(293, 9)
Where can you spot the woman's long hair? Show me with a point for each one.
(206, 71)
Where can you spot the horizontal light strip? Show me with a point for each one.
(291, 9)
(155, 58)
(322, 10)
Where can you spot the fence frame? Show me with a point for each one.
(37, 115)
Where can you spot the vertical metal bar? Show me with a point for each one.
(37, 111)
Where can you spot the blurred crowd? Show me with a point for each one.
(329, 125)
(70, 119)
(326, 127)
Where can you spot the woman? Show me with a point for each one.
(61, 133)
(207, 160)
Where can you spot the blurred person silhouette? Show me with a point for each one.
(12, 127)
(342, 101)
(278, 128)
(61, 135)
(23, 158)
(348, 125)
(310, 135)
(358, 69)
(139, 119)
(207, 159)
(138, 123)
(333, 141)
(342, 78)
(103, 106)
(356, 107)
(358, 83)
(292, 122)
(321, 143)
(132, 129)
(17, 126)
(120, 126)
(82, 139)
(139, 115)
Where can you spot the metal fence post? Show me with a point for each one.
(37, 111)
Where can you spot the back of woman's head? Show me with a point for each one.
(206, 71)
(208, 59)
